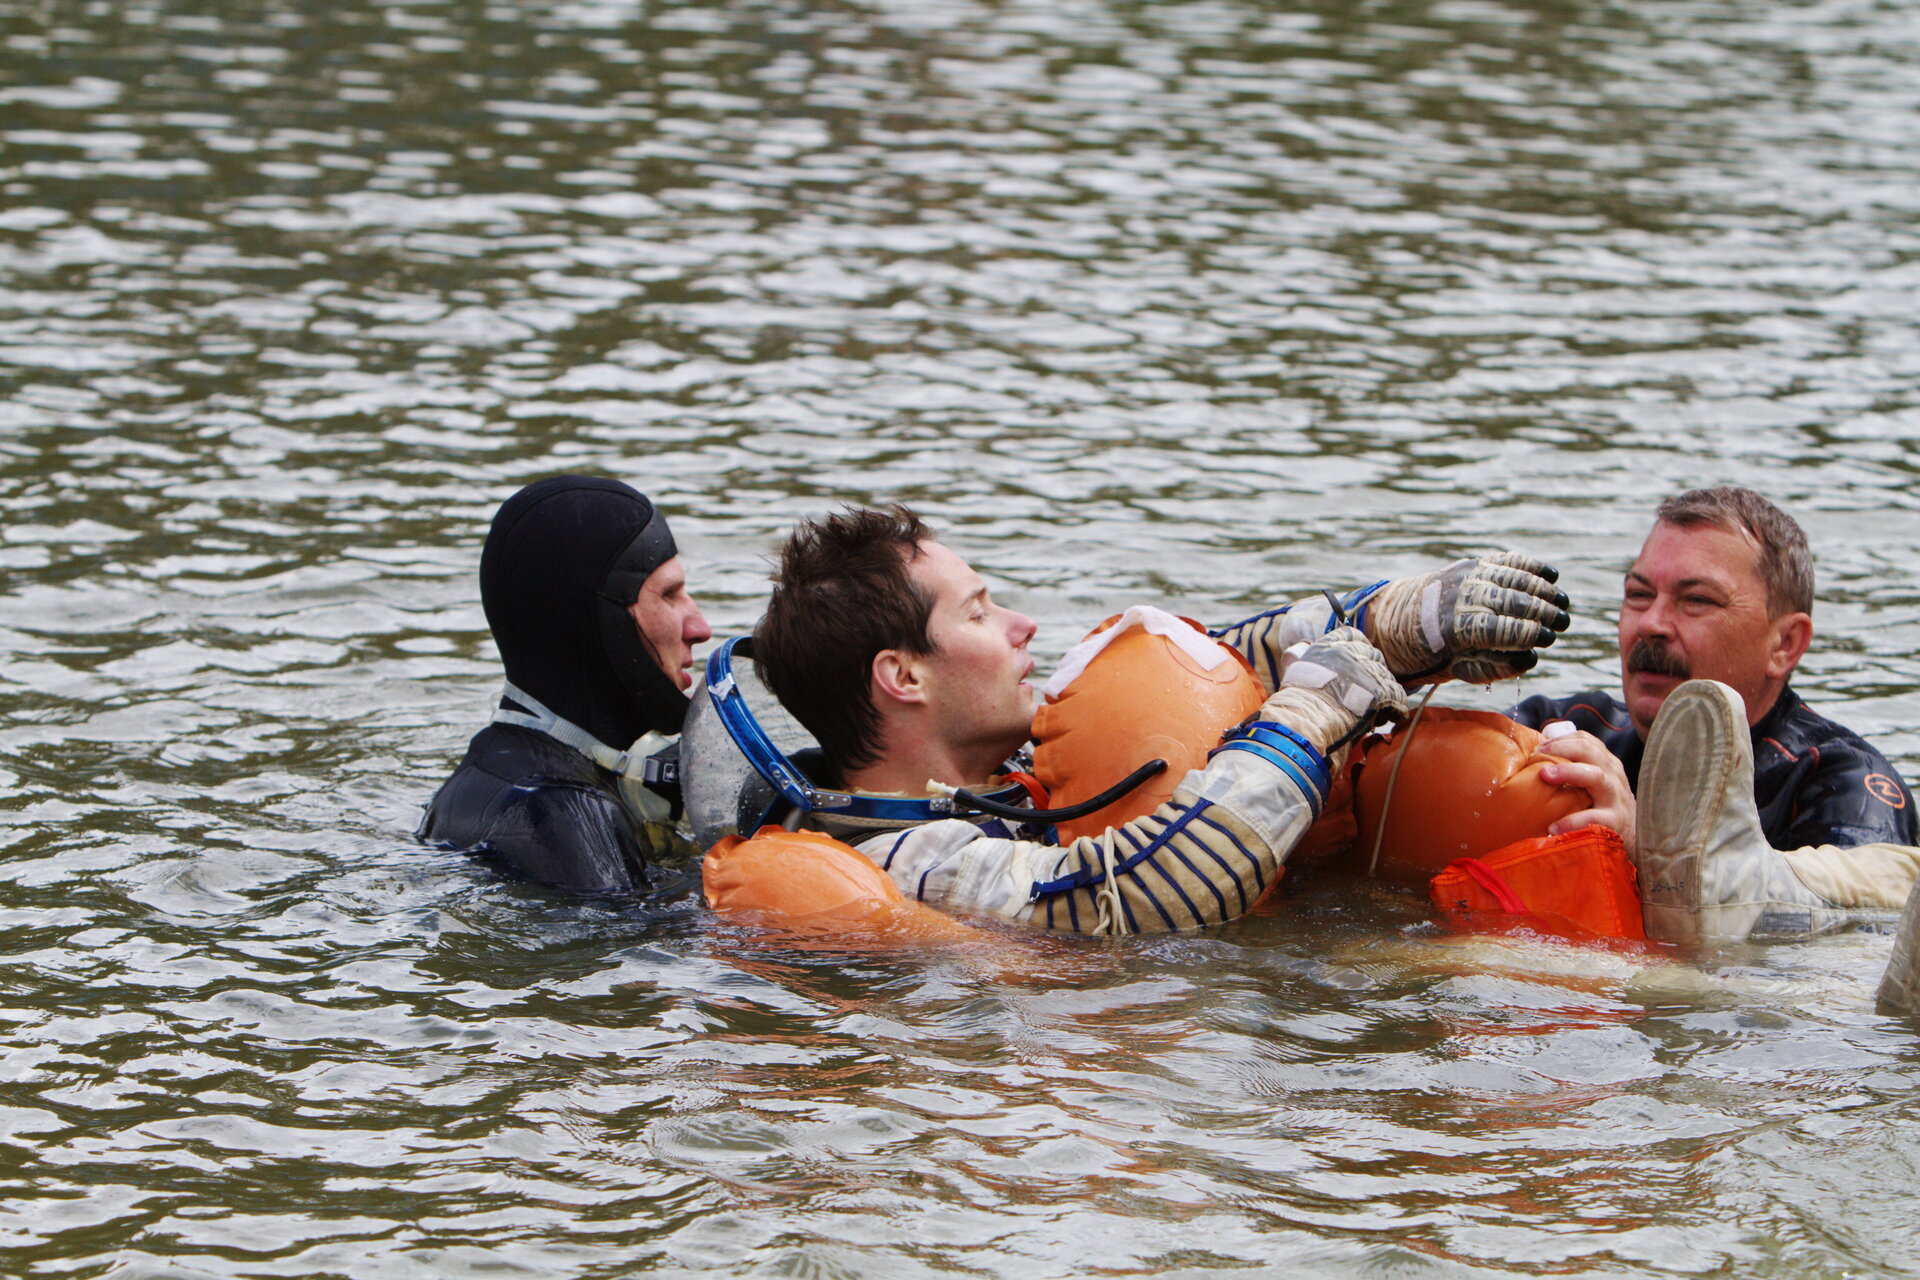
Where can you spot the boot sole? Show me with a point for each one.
(1682, 778)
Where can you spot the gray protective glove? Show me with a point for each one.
(1335, 689)
(1476, 620)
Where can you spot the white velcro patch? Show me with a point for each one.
(1430, 617)
(1198, 645)
(1356, 699)
(1308, 675)
(1311, 675)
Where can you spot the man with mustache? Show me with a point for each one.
(1722, 590)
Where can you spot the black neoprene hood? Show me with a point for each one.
(564, 560)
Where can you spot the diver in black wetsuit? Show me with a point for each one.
(1747, 814)
(574, 783)
(1723, 590)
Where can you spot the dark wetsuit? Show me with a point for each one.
(564, 560)
(546, 811)
(1815, 782)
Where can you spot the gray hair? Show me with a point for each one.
(1785, 566)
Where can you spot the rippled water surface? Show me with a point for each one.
(1210, 303)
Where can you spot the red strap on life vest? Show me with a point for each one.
(1579, 885)
(1493, 883)
(1036, 790)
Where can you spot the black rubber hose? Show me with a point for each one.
(966, 799)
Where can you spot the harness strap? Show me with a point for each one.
(1110, 866)
(1355, 606)
(1113, 911)
(541, 720)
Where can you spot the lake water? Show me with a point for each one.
(1207, 303)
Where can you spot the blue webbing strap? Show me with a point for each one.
(1219, 633)
(1293, 754)
(795, 789)
(1353, 604)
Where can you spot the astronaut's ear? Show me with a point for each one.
(898, 676)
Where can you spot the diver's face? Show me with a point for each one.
(669, 621)
(1694, 608)
(977, 675)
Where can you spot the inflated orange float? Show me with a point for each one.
(807, 883)
(1336, 830)
(1147, 694)
(1469, 784)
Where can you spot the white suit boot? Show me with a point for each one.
(1706, 868)
(1900, 987)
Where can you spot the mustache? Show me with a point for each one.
(1652, 654)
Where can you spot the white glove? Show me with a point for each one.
(1335, 689)
(1477, 620)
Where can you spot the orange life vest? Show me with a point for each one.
(808, 883)
(1470, 784)
(1578, 885)
(1140, 698)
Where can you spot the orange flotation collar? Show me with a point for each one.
(807, 883)
(1141, 697)
(1469, 784)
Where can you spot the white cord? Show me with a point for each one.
(1113, 917)
(1386, 802)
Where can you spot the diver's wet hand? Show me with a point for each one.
(1582, 760)
(1478, 620)
(1335, 689)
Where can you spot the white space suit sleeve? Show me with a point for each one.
(1262, 638)
(1201, 858)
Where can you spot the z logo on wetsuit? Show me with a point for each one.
(1885, 790)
